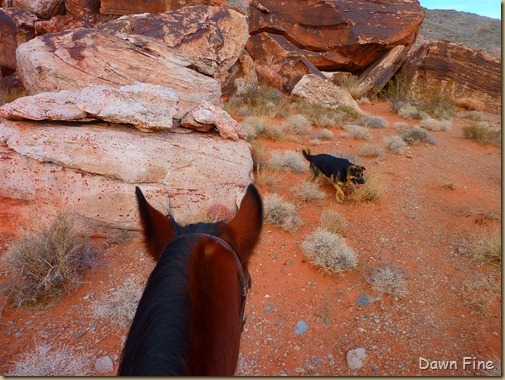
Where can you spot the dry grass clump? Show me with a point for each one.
(298, 125)
(47, 265)
(475, 115)
(437, 104)
(482, 132)
(408, 111)
(372, 150)
(51, 360)
(484, 247)
(372, 191)
(120, 304)
(480, 291)
(308, 191)
(351, 85)
(288, 160)
(412, 134)
(267, 177)
(329, 251)
(322, 134)
(332, 221)
(254, 126)
(388, 280)
(432, 124)
(260, 101)
(280, 212)
(324, 116)
(374, 122)
(395, 144)
(357, 132)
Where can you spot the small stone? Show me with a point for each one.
(355, 358)
(104, 365)
(363, 300)
(268, 308)
(301, 327)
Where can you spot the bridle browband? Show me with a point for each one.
(243, 276)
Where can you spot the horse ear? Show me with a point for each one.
(158, 231)
(247, 223)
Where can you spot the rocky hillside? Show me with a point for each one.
(474, 31)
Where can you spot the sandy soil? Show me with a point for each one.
(436, 195)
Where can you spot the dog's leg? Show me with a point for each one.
(339, 195)
(315, 173)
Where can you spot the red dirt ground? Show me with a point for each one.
(436, 195)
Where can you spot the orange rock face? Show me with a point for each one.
(332, 34)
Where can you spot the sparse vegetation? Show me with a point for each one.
(308, 191)
(475, 115)
(412, 134)
(329, 251)
(324, 116)
(388, 280)
(322, 134)
(374, 122)
(120, 304)
(288, 160)
(482, 132)
(47, 265)
(479, 291)
(280, 212)
(260, 100)
(395, 144)
(254, 126)
(51, 360)
(298, 125)
(432, 124)
(408, 111)
(484, 247)
(357, 132)
(372, 150)
(218, 212)
(371, 191)
(332, 221)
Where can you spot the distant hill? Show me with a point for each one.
(474, 31)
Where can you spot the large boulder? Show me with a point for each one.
(465, 76)
(16, 27)
(93, 170)
(147, 106)
(210, 39)
(121, 7)
(75, 59)
(321, 91)
(335, 35)
(44, 9)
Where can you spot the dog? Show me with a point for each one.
(339, 171)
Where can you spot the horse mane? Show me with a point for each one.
(169, 315)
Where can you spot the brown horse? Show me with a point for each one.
(190, 317)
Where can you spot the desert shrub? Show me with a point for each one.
(479, 291)
(388, 280)
(258, 153)
(266, 176)
(374, 122)
(437, 104)
(351, 85)
(332, 221)
(218, 212)
(364, 100)
(475, 115)
(482, 132)
(254, 126)
(308, 191)
(395, 144)
(323, 116)
(280, 212)
(408, 111)
(371, 191)
(484, 247)
(357, 132)
(298, 125)
(288, 160)
(259, 100)
(51, 360)
(47, 265)
(120, 304)
(412, 134)
(432, 124)
(372, 150)
(329, 251)
(322, 134)
(396, 92)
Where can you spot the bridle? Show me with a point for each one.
(243, 276)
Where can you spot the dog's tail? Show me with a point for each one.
(306, 153)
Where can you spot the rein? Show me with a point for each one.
(244, 277)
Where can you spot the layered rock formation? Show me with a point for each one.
(93, 170)
(467, 77)
(332, 34)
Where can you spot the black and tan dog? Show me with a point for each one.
(339, 171)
